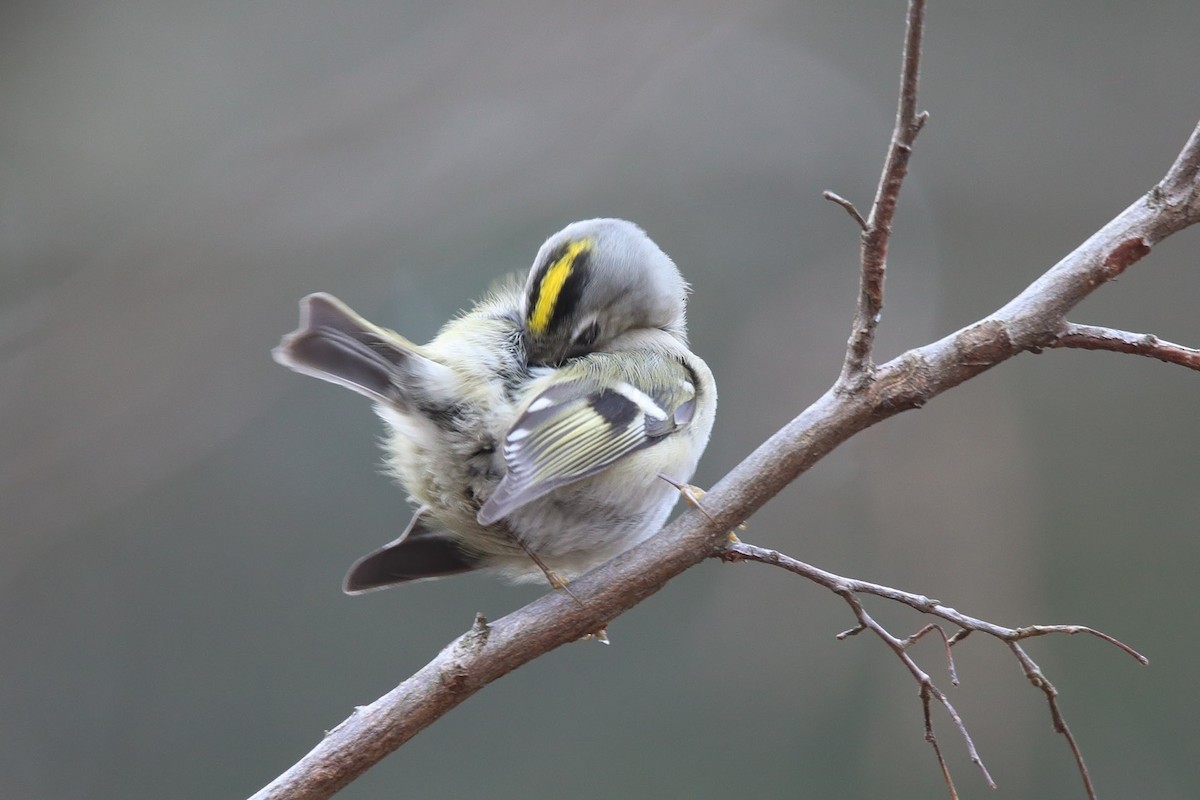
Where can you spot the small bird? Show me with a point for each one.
(531, 432)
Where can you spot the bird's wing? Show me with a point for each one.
(578, 428)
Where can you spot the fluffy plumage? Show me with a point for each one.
(536, 421)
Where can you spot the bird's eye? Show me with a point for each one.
(587, 337)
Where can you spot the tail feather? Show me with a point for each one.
(422, 551)
(337, 345)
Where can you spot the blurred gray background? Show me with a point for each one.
(176, 511)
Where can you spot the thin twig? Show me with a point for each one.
(928, 689)
(743, 551)
(1035, 675)
(834, 197)
(848, 588)
(933, 626)
(857, 370)
(931, 737)
(1093, 337)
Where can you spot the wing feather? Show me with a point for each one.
(575, 429)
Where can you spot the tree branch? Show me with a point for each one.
(839, 585)
(1031, 321)
(1034, 673)
(849, 588)
(877, 229)
(834, 197)
(928, 692)
(1092, 337)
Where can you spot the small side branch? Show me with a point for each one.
(857, 370)
(851, 209)
(1093, 337)
(849, 589)
(743, 551)
(929, 691)
(1035, 675)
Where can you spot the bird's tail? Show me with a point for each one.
(337, 345)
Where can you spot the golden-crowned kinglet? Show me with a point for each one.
(534, 427)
